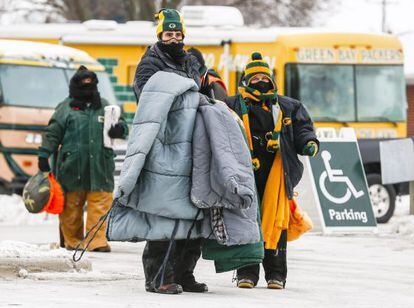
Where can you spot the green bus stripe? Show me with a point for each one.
(22, 127)
(20, 151)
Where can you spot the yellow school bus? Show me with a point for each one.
(34, 78)
(344, 79)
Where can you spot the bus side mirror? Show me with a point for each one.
(1, 97)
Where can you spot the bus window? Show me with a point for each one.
(33, 86)
(380, 93)
(327, 91)
(104, 86)
(237, 83)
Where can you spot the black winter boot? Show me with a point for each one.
(275, 264)
(186, 256)
(194, 286)
(152, 259)
(171, 288)
(248, 276)
(245, 283)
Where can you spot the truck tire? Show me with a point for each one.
(4, 190)
(382, 198)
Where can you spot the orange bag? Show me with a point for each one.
(299, 222)
(57, 197)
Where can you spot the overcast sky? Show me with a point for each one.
(366, 15)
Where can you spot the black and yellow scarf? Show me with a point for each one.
(275, 209)
(246, 94)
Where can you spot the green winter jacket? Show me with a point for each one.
(83, 164)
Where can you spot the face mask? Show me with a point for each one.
(262, 87)
(83, 93)
(175, 50)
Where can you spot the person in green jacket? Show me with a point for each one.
(84, 166)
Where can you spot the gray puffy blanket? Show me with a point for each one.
(155, 181)
(223, 180)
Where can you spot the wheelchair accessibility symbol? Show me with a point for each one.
(336, 176)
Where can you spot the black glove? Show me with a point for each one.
(43, 164)
(116, 131)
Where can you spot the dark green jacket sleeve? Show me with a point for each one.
(53, 134)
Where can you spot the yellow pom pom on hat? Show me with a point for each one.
(169, 20)
(257, 66)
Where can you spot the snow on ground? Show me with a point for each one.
(13, 212)
(20, 259)
(16, 249)
(324, 271)
(366, 270)
(401, 223)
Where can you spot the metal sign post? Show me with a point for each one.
(411, 198)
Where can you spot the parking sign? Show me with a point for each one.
(339, 180)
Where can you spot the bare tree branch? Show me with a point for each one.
(255, 12)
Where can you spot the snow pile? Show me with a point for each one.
(83, 276)
(13, 249)
(13, 212)
(402, 225)
(23, 259)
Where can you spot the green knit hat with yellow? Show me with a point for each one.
(257, 66)
(169, 20)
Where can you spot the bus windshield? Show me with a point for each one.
(32, 86)
(44, 87)
(348, 93)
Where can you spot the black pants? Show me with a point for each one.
(181, 263)
(274, 264)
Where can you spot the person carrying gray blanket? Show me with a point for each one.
(153, 199)
(168, 55)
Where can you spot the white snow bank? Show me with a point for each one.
(23, 259)
(83, 276)
(402, 225)
(13, 212)
(402, 205)
(13, 249)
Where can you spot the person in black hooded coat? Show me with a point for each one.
(168, 55)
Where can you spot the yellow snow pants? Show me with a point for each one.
(72, 221)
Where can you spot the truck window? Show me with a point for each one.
(32, 86)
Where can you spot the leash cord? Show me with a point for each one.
(100, 222)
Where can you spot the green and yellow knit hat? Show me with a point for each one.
(169, 20)
(257, 66)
